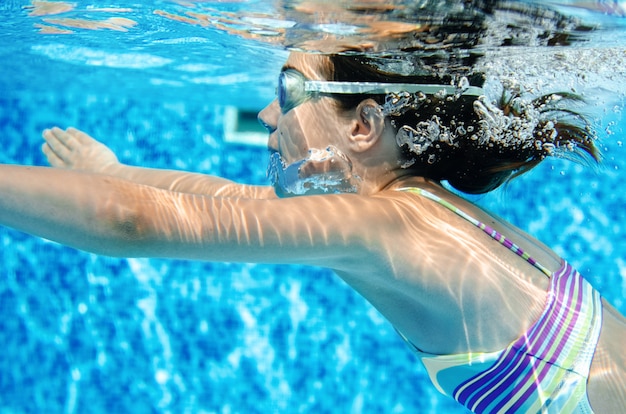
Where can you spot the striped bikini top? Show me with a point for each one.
(546, 368)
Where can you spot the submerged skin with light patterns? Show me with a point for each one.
(426, 270)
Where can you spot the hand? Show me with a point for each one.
(73, 149)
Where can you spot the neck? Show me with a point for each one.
(384, 178)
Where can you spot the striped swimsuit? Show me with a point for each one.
(546, 369)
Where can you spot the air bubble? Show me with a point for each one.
(549, 148)
(463, 84)
(441, 94)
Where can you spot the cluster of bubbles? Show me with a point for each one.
(423, 136)
(519, 126)
(322, 171)
(506, 130)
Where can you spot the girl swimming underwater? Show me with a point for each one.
(501, 323)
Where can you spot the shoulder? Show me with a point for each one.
(339, 231)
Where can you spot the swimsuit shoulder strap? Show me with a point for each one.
(485, 228)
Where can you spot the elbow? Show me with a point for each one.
(123, 229)
(129, 228)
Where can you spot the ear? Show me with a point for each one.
(367, 126)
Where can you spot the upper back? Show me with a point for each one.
(447, 285)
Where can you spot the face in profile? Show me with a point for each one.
(307, 135)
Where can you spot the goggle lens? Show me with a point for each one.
(291, 90)
(281, 92)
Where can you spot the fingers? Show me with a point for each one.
(72, 148)
(53, 159)
(57, 134)
(79, 135)
(58, 143)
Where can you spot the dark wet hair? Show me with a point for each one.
(475, 156)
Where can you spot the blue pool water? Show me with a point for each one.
(89, 334)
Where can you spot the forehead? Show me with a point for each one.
(310, 65)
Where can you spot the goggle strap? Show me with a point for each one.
(372, 88)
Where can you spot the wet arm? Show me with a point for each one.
(73, 208)
(190, 183)
(110, 216)
(107, 215)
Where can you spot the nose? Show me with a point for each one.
(268, 117)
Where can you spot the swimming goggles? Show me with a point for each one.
(294, 89)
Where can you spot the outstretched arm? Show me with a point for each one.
(111, 216)
(76, 150)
